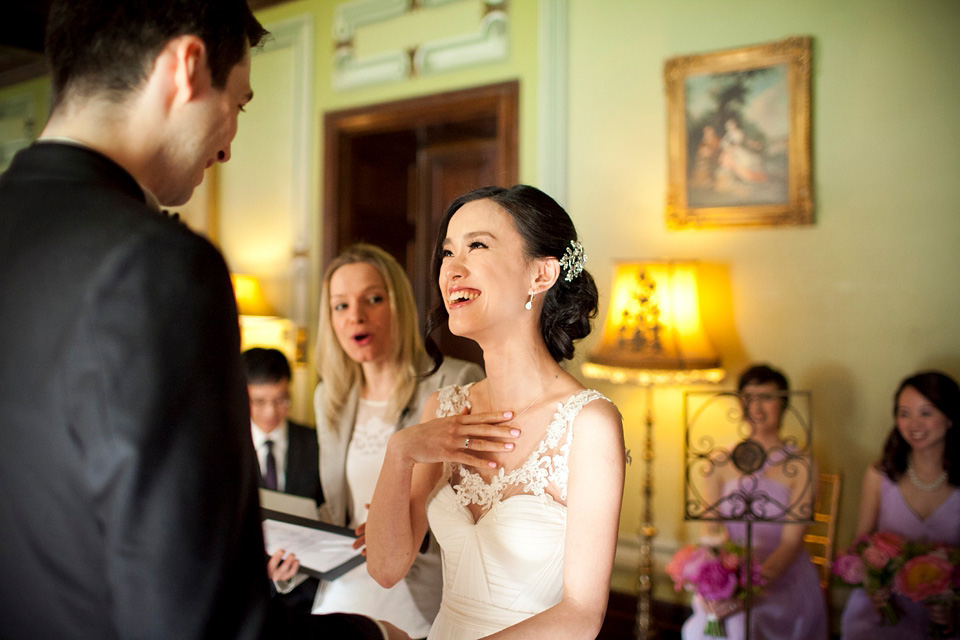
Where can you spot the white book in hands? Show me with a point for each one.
(290, 523)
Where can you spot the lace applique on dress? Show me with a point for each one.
(546, 465)
(453, 399)
(372, 430)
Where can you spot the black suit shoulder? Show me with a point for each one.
(121, 374)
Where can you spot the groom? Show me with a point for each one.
(129, 506)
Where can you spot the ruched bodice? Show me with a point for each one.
(508, 565)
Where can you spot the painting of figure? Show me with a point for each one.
(738, 133)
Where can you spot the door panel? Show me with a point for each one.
(447, 172)
(391, 170)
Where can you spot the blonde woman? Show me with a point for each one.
(371, 361)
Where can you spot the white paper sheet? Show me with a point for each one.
(315, 548)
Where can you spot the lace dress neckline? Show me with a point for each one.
(546, 465)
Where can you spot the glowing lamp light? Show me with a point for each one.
(250, 298)
(653, 331)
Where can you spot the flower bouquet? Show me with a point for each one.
(714, 572)
(871, 562)
(931, 576)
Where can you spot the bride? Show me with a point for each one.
(519, 476)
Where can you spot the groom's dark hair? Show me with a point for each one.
(109, 46)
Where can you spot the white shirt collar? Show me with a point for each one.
(278, 435)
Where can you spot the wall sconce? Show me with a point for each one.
(653, 335)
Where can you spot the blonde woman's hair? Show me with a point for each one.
(338, 372)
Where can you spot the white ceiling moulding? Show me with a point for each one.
(487, 44)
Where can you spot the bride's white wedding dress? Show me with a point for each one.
(508, 565)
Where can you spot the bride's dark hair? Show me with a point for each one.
(547, 230)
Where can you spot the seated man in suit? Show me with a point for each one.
(287, 452)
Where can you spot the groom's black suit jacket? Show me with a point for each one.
(128, 482)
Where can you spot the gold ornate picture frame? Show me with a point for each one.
(738, 131)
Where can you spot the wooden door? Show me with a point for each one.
(391, 171)
(446, 172)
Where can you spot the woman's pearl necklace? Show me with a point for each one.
(926, 486)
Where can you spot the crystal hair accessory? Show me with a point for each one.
(573, 259)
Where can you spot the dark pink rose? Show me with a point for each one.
(714, 581)
(875, 557)
(889, 543)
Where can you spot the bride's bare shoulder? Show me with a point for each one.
(599, 415)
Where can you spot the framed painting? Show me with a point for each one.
(738, 129)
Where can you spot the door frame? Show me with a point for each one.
(500, 101)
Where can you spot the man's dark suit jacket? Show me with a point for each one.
(129, 504)
(302, 468)
(302, 473)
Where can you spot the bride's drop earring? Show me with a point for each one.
(529, 304)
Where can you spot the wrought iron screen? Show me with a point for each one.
(718, 445)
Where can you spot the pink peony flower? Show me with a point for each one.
(923, 577)
(850, 568)
(699, 556)
(714, 581)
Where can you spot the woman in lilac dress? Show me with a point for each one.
(913, 491)
(790, 605)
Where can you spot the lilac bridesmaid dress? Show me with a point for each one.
(860, 621)
(792, 607)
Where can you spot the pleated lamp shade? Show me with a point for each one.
(653, 332)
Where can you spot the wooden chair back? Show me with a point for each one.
(819, 539)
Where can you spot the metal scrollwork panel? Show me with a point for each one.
(724, 464)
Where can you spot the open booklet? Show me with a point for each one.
(290, 523)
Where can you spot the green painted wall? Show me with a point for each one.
(847, 306)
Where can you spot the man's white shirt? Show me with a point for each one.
(280, 443)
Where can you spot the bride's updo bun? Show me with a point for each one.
(572, 302)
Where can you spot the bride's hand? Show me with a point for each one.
(457, 439)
